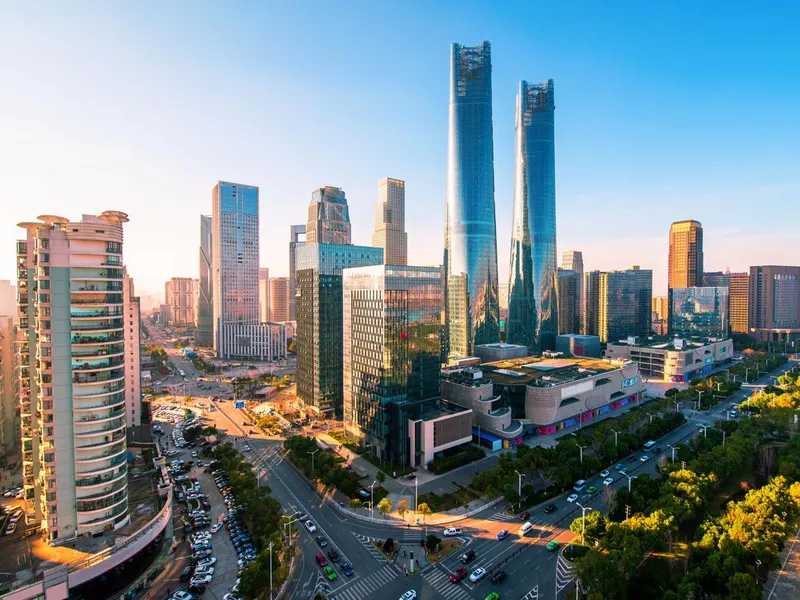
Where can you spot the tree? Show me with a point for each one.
(402, 508)
(384, 507)
(380, 477)
(388, 545)
(355, 503)
(596, 523)
(431, 542)
(424, 510)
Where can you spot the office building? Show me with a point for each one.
(591, 303)
(391, 353)
(674, 360)
(9, 413)
(685, 254)
(499, 351)
(328, 217)
(774, 312)
(739, 302)
(204, 335)
(279, 307)
(717, 279)
(660, 310)
(625, 302)
(699, 311)
(72, 363)
(318, 336)
(297, 240)
(577, 344)
(263, 295)
(8, 298)
(133, 376)
(472, 312)
(533, 305)
(390, 221)
(180, 295)
(568, 293)
(502, 298)
(572, 260)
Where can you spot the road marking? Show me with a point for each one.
(565, 573)
(532, 595)
(363, 587)
(440, 581)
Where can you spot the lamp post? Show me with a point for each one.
(286, 531)
(372, 498)
(704, 430)
(583, 520)
(616, 433)
(673, 451)
(270, 570)
(699, 399)
(581, 449)
(519, 487)
(416, 499)
(629, 479)
(724, 434)
(677, 406)
(649, 415)
(312, 459)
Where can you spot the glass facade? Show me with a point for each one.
(625, 300)
(470, 245)
(205, 310)
(532, 303)
(699, 311)
(392, 351)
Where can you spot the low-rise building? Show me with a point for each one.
(499, 351)
(435, 431)
(579, 345)
(674, 360)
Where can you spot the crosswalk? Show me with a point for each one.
(367, 542)
(365, 586)
(500, 515)
(532, 595)
(440, 581)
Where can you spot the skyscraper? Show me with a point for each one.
(279, 299)
(739, 299)
(297, 239)
(328, 217)
(9, 405)
(238, 330)
(685, 254)
(774, 313)
(470, 242)
(179, 295)
(263, 295)
(133, 373)
(699, 311)
(71, 351)
(532, 304)
(390, 221)
(204, 336)
(568, 292)
(572, 260)
(591, 302)
(8, 299)
(625, 304)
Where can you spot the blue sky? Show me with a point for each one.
(664, 111)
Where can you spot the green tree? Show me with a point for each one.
(600, 573)
(424, 510)
(384, 507)
(431, 542)
(355, 503)
(596, 523)
(380, 477)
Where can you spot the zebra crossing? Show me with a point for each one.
(367, 542)
(440, 581)
(363, 587)
(500, 515)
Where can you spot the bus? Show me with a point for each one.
(649, 446)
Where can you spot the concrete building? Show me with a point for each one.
(699, 312)
(739, 302)
(499, 351)
(591, 303)
(390, 221)
(436, 431)
(568, 293)
(391, 354)
(204, 335)
(9, 411)
(328, 217)
(774, 306)
(660, 315)
(180, 295)
(8, 298)
(297, 240)
(72, 367)
(263, 295)
(685, 254)
(675, 360)
(716, 279)
(541, 396)
(586, 346)
(572, 260)
(318, 337)
(625, 302)
(255, 341)
(133, 375)
(279, 305)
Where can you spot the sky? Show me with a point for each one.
(664, 112)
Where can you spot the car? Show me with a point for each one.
(657, 450)
(329, 572)
(604, 473)
(310, 526)
(198, 589)
(608, 481)
(572, 497)
(502, 534)
(409, 595)
(591, 489)
(204, 571)
(231, 596)
(201, 554)
(467, 557)
(321, 541)
(458, 575)
(451, 531)
(182, 595)
(552, 546)
(524, 515)
(644, 458)
(321, 560)
(216, 527)
(492, 596)
(333, 554)
(498, 577)
(204, 579)
(550, 508)
(186, 574)
(299, 515)
(346, 569)
(206, 562)
(477, 575)
(12, 527)
(619, 467)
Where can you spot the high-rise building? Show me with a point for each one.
(71, 348)
(716, 279)
(180, 294)
(685, 254)
(472, 312)
(533, 307)
(8, 298)
(9, 413)
(390, 221)
(660, 319)
(774, 313)
(568, 292)
(699, 312)
(204, 335)
(572, 260)
(502, 298)
(263, 295)
(318, 337)
(328, 217)
(279, 299)
(591, 302)
(238, 330)
(133, 374)
(625, 303)
(296, 240)
(392, 351)
(739, 302)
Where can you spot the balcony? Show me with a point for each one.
(108, 517)
(107, 312)
(90, 353)
(111, 401)
(101, 286)
(79, 379)
(98, 327)
(101, 300)
(80, 339)
(100, 430)
(113, 454)
(102, 364)
(101, 480)
(95, 505)
(109, 440)
(96, 470)
(109, 489)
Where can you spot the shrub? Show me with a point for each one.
(448, 463)
(388, 545)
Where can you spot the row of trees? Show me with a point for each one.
(303, 452)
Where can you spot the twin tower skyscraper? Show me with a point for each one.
(470, 249)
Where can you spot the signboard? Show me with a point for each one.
(239, 404)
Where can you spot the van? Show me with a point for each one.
(579, 485)
(649, 446)
(526, 527)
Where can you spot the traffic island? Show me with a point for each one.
(442, 550)
(388, 547)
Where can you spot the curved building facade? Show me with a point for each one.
(532, 304)
(470, 247)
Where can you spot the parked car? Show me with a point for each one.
(458, 575)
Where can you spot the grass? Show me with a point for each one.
(340, 436)
(450, 501)
(392, 554)
(388, 467)
(576, 551)
(446, 547)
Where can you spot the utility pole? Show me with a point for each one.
(312, 459)
(372, 499)
(627, 511)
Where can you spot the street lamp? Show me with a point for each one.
(649, 415)
(312, 459)
(704, 430)
(372, 499)
(699, 399)
(270, 569)
(519, 487)
(616, 433)
(673, 451)
(583, 520)
(581, 449)
(630, 478)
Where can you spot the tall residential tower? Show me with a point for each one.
(204, 335)
(390, 221)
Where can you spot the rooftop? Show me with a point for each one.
(669, 342)
(540, 372)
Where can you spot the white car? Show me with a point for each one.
(200, 572)
(182, 595)
(572, 497)
(310, 526)
(608, 481)
(201, 579)
(216, 527)
(645, 458)
(603, 473)
(451, 531)
(477, 575)
(206, 562)
(409, 595)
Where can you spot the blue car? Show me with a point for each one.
(346, 569)
(501, 535)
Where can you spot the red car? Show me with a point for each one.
(321, 559)
(460, 574)
(524, 515)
